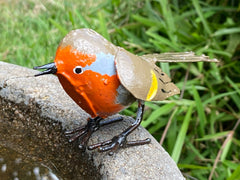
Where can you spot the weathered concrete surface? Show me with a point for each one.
(37, 110)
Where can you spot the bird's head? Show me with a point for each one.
(75, 53)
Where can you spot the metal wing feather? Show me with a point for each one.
(177, 57)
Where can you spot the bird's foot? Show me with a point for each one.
(83, 133)
(117, 142)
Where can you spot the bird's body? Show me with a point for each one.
(87, 67)
(97, 88)
(103, 79)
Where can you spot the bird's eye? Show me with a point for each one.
(78, 70)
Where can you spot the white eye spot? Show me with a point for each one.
(78, 70)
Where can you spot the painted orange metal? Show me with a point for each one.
(92, 91)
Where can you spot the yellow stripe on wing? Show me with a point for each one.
(154, 87)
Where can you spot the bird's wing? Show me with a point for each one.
(143, 79)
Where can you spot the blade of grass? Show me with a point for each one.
(71, 18)
(168, 125)
(158, 125)
(235, 86)
(230, 164)
(236, 99)
(235, 175)
(82, 19)
(218, 97)
(146, 21)
(216, 72)
(163, 40)
(219, 52)
(192, 166)
(155, 114)
(213, 136)
(195, 151)
(58, 26)
(229, 137)
(224, 148)
(103, 26)
(201, 16)
(225, 31)
(151, 105)
(165, 68)
(200, 110)
(168, 18)
(181, 136)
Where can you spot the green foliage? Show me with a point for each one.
(202, 132)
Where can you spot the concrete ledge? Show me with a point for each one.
(35, 111)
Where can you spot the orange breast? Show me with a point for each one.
(94, 92)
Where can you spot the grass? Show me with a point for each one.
(199, 129)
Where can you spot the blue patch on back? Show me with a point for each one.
(104, 64)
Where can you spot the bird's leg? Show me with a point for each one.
(121, 140)
(83, 133)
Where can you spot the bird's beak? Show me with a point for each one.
(50, 69)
